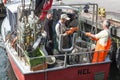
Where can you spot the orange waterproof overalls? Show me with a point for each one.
(101, 51)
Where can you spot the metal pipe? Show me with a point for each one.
(93, 15)
(96, 17)
(60, 43)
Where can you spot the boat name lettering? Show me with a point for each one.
(83, 71)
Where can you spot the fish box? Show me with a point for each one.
(36, 59)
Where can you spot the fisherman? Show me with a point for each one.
(74, 21)
(103, 42)
(49, 30)
(61, 29)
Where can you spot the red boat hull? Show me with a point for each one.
(85, 72)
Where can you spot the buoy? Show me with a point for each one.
(102, 12)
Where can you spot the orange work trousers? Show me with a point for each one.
(101, 52)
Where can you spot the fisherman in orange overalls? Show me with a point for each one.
(103, 42)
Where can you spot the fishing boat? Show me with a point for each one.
(24, 38)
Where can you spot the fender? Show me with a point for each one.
(118, 58)
(113, 51)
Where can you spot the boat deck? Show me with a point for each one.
(25, 68)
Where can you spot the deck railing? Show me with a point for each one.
(69, 59)
(63, 60)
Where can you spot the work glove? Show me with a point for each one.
(71, 30)
(74, 28)
(88, 34)
(68, 32)
(64, 34)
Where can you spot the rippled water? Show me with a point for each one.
(3, 64)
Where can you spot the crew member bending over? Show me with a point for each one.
(61, 29)
(103, 42)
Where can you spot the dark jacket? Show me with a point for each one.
(48, 28)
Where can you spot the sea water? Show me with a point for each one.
(3, 62)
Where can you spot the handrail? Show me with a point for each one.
(60, 43)
(79, 58)
(20, 48)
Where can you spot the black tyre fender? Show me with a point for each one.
(112, 52)
(118, 58)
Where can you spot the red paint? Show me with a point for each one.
(46, 7)
(72, 73)
(16, 70)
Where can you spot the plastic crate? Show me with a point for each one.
(36, 59)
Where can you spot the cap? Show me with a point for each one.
(64, 16)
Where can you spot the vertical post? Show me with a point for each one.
(65, 61)
(96, 17)
(93, 14)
